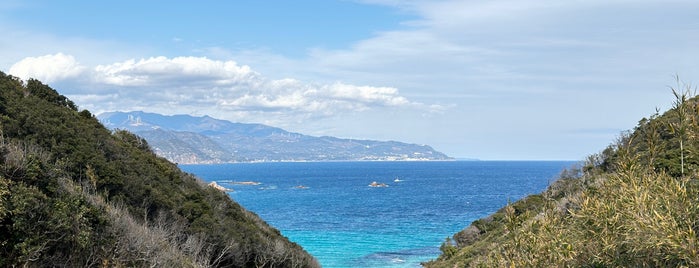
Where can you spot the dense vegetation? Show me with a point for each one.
(74, 194)
(633, 205)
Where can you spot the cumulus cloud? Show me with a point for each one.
(367, 94)
(205, 85)
(157, 71)
(48, 68)
(331, 98)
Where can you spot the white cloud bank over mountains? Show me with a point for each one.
(202, 86)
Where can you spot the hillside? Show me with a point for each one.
(75, 194)
(635, 204)
(196, 140)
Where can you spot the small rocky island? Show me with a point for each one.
(377, 184)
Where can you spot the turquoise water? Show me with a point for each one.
(343, 222)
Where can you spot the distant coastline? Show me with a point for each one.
(322, 161)
(466, 159)
(379, 161)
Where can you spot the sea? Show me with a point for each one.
(331, 209)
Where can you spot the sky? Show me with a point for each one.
(492, 79)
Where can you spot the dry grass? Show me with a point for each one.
(636, 219)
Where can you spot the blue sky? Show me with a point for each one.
(481, 79)
(281, 26)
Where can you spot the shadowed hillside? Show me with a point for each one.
(635, 204)
(74, 194)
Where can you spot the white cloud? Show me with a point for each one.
(210, 86)
(469, 42)
(157, 71)
(48, 68)
(292, 95)
(366, 94)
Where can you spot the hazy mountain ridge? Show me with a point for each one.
(190, 139)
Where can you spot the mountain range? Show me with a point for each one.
(189, 139)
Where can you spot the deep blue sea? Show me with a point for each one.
(342, 221)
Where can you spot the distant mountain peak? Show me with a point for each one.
(203, 139)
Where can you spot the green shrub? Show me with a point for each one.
(74, 194)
